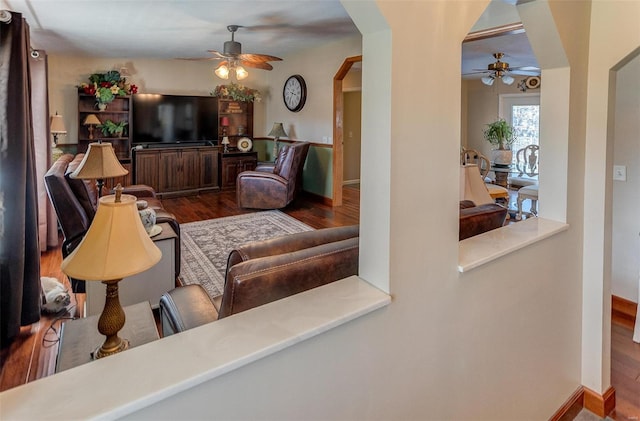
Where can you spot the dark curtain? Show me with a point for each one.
(19, 249)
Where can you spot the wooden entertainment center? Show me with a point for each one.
(175, 168)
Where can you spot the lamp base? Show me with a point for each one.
(101, 352)
(110, 322)
(275, 149)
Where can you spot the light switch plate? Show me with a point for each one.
(620, 173)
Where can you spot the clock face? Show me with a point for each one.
(294, 93)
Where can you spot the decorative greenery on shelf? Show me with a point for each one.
(110, 128)
(106, 86)
(237, 93)
(500, 134)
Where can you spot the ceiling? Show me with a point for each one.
(168, 29)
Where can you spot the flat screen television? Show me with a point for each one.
(159, 119)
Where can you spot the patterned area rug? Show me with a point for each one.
(207, 244)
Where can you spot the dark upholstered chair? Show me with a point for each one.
(75, 202)
(273, 186)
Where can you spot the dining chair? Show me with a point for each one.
(527, 161)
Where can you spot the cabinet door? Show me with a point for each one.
(248, 164)
(170, 174)
(147, 165)
(229, 172)
(190, 169)
(208, 168)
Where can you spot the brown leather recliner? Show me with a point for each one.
(475, 220)
(75, 202)
(273, 186)
(265, 271)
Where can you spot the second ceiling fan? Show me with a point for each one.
(501, 70)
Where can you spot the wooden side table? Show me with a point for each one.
(146, 286)
(80, 338)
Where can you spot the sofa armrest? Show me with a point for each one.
(260, 281)
(265, 167)
(289, 243)
(479, 219)
(139, 190)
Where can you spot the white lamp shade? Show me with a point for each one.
(487, 80)
(99, 161)
(56, 124)
(225, 140)
(472, 186)
(116, 245)
(507, 80)
(241, 73)
(222, 72)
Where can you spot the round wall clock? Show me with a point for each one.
(294, 93)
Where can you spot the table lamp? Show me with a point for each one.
(277, 131)
(91, 120)
(99, 162)
(115, 246)
(56, 126)
(225, 143)
(224, 122)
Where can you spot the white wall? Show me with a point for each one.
(625, 262)
(314, 122)
(499, 342)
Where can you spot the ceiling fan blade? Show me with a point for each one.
(218, 54)
(256, 65)
(526, 68)
(258, 58)
(197, 58)
(525, 72)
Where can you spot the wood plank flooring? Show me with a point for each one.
(33, 353)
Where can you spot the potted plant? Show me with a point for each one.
(500, 134)
(110, 128)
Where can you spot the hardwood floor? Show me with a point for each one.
(625, 367)
(33, 353)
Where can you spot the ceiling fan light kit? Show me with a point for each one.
(501, 69)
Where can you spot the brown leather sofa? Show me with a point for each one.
(75, 203)
(265, 271)
(273, 186)
(475, 220)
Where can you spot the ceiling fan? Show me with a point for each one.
(233, 58)
(500, 70)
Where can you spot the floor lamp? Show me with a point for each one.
(115, 246)
(99, 162)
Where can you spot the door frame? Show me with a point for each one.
(338, 130)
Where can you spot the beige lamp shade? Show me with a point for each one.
(56, 124)
(277, 131)
(91, 119)
(116, 245)
(99, 162)
(225, 140)
(472, 186)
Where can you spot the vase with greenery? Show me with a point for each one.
(113, 129)
(106, 87)
(237, 92)
(500, 134)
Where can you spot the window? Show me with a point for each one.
(523, 113)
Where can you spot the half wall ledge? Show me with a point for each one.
(486, 247)
(205, 352)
